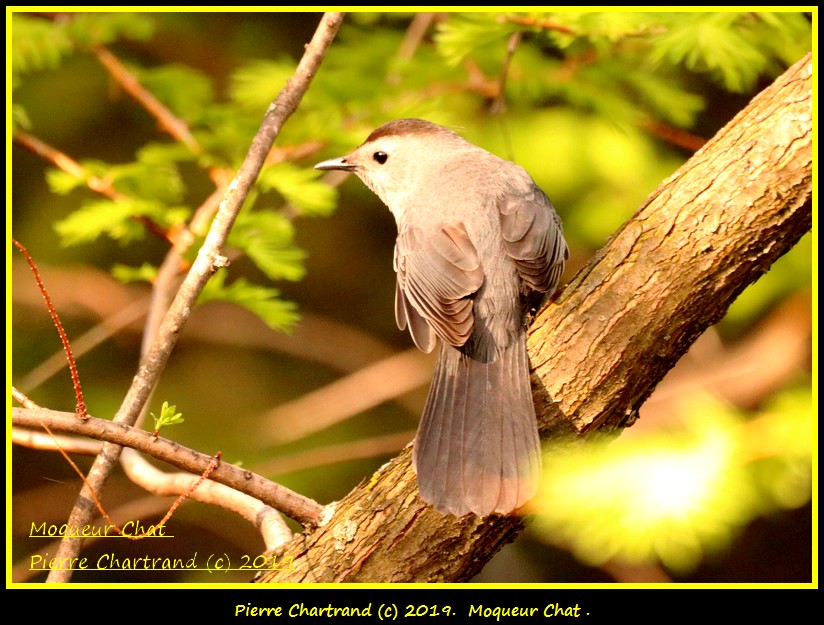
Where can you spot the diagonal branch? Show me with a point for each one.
(598, 351)
(208, 260)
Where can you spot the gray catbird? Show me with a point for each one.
(476, 237)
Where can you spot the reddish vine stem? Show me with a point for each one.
(82, 411)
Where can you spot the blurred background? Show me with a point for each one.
(712, 484)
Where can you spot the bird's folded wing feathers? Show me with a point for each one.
(533, 237)
(437, 272)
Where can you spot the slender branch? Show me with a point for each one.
(294, 505)
(172, 124)
(359, 391)
(208, 260)
(267, 519)
(499, 103)
(86, 342)
(344, 452)
(675, 136)
(264, 517)
(40, 440)
(33, 439)
(63, 161)
(533, 22)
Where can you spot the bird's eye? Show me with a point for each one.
(380, 157)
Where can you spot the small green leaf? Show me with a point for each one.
(278, 314)
(37, 44)
(100, 217)
(463, 34)
(62, 182)
(186, 91)
(168, 416)
(252, 86)
(126, 274)
(300, 187)
(268, 239)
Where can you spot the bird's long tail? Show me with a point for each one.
(477, 448)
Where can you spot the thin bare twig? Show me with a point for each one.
(169, 122)
(86, 342)
(344, 398)
(266, 518)
(412, 39)
(499, 103)
(296, 506)
(32, 439)
(208, 260)
(332, 454)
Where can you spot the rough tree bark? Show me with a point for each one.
(600, 348)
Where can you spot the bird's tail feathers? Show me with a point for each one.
(477, 447)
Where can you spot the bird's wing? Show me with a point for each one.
(533, 237)
(438, 270)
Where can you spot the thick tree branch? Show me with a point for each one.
(599, 350)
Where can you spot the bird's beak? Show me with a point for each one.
(336, 163)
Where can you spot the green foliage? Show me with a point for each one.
(100, 29)
(733, 48)
(39, 44)
(144, 273)
(300, 187)
(36, 45)
(168, 416)
(187, 92)
(251, 86)
(278, 314)
(267, 238)
(157, 185)
(99, 217)
(461, 36)
(590, 83)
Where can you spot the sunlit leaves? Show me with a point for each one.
(186, 91)
(144, 273)
(94, 29)
(267, 238)
(36, 45)
(734, 48)
(673, 495)
(143, 188)
(710, 44)
(253, 84)
(301, 187)
(462, 35)
(265, 302)
(104, 217)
